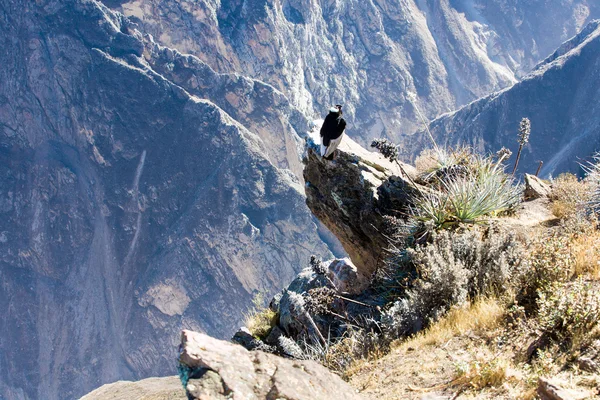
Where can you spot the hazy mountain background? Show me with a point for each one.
(369, 54)
(561, 97)
(144, 190)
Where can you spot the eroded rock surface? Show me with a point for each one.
(352, 194)
(220, 370)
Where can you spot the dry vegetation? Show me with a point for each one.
(497, 343)
(260, 319)
(569, 194)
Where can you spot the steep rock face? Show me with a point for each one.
(369, 54)
(561, 97)
(351, 196)
(131, 206)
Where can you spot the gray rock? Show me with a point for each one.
(552, 390)
(168, 388)
(244, 338)
(274, 335)
(535, 188)
(588, 365)
(293, 316)
(345, 277)
(590, 359)
(222, 369)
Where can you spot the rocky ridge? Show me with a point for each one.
(368, 55)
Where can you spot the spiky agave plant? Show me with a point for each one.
(486, 190)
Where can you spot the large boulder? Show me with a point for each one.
(215, 369)
(535, 188)
(167, 388)
(351, 196)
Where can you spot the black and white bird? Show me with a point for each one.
(332, 131)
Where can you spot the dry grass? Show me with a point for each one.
(586, 253)
(568, 193)
(426, 162)
(478, 375)
(484, 314)
(260, 319)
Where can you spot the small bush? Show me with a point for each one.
(571, 251)
(569, 310)
(568, 195)
(454, 268)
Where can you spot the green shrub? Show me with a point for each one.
(453, 268)
(569, 310)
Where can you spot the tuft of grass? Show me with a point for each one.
(260, 319)
(483, 314)
(478, 375)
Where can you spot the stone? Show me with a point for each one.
(345, 277)
(589, 361)
(273, 336)
(351, 196)
(588, 365)
(167, 388)
(552, 390)
(223, 370)
(535, 188)
(244, 338)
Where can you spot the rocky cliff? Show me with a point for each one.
(140, 193)
(368, 54)
(561, 97)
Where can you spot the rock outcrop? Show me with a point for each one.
(352, 195)
(535, 188)
(214, 369)
(561, 97)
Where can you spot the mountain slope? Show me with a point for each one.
(369, 54)
(561, 97)
(131, 207)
